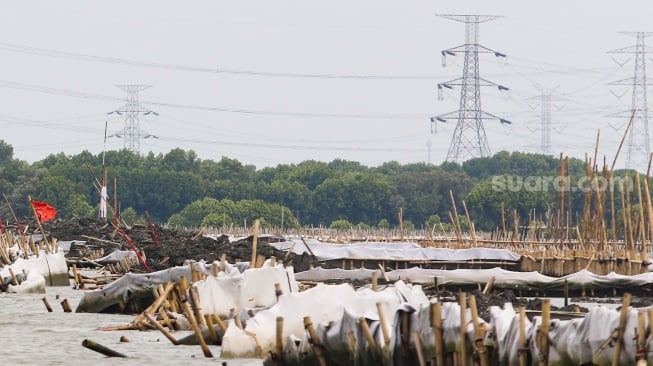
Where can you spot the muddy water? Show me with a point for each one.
(29, 335)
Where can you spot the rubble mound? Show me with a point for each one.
(175, 245)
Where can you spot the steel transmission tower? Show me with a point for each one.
(132, 133)
(469, 139)
(638, 148)
(545, 100)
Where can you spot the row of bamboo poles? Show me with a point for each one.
(27, 246)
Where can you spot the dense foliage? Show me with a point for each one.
(180, 189)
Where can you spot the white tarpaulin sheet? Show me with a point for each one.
(394, 251)
(503, 278)
(324, 304)
(116, 256)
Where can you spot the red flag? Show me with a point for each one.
(44, 212)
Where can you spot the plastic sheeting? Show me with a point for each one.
(322, 274)
(124, 288)
(33, 283)
(52, 267)
(324, 304)
(116, 256)
(253, 288)
(394, 251)
(582, 279)
(580, 341)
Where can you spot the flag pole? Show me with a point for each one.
(36, 216)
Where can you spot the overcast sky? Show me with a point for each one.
(62, 59)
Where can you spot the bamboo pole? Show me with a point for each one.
(383, 322)
(436, 324)
(543, 342)
(641, 339)
(195, 302)
(66, 306)
(36, 216)
(252, 262)
(197, 330)
(279, 341)
(456, 221)
(479, 333)
(623, 319)
(418, 348)
(219, 321)
(488, 285)
(623, 138)
(317, 346)
(503, 221)
(400, 215)
(47, 304)
(374, 349)
(101, 349)
(160, 327)
(649, 209)
(522, 337)
(471, 225)
(212, 332)
(463, 328)
(14, 279)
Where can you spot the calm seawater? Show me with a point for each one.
(29, 335)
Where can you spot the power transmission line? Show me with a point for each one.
(75, 94)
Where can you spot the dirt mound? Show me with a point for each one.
(176, 245)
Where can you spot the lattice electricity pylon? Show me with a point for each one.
(132, 110)
(469, 139)
(638, 146)
(545, 100)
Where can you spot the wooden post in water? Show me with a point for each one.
(160, 327)
(101, 349)
(47, 304)
(66, 306)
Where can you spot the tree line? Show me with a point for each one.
(180, 189)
